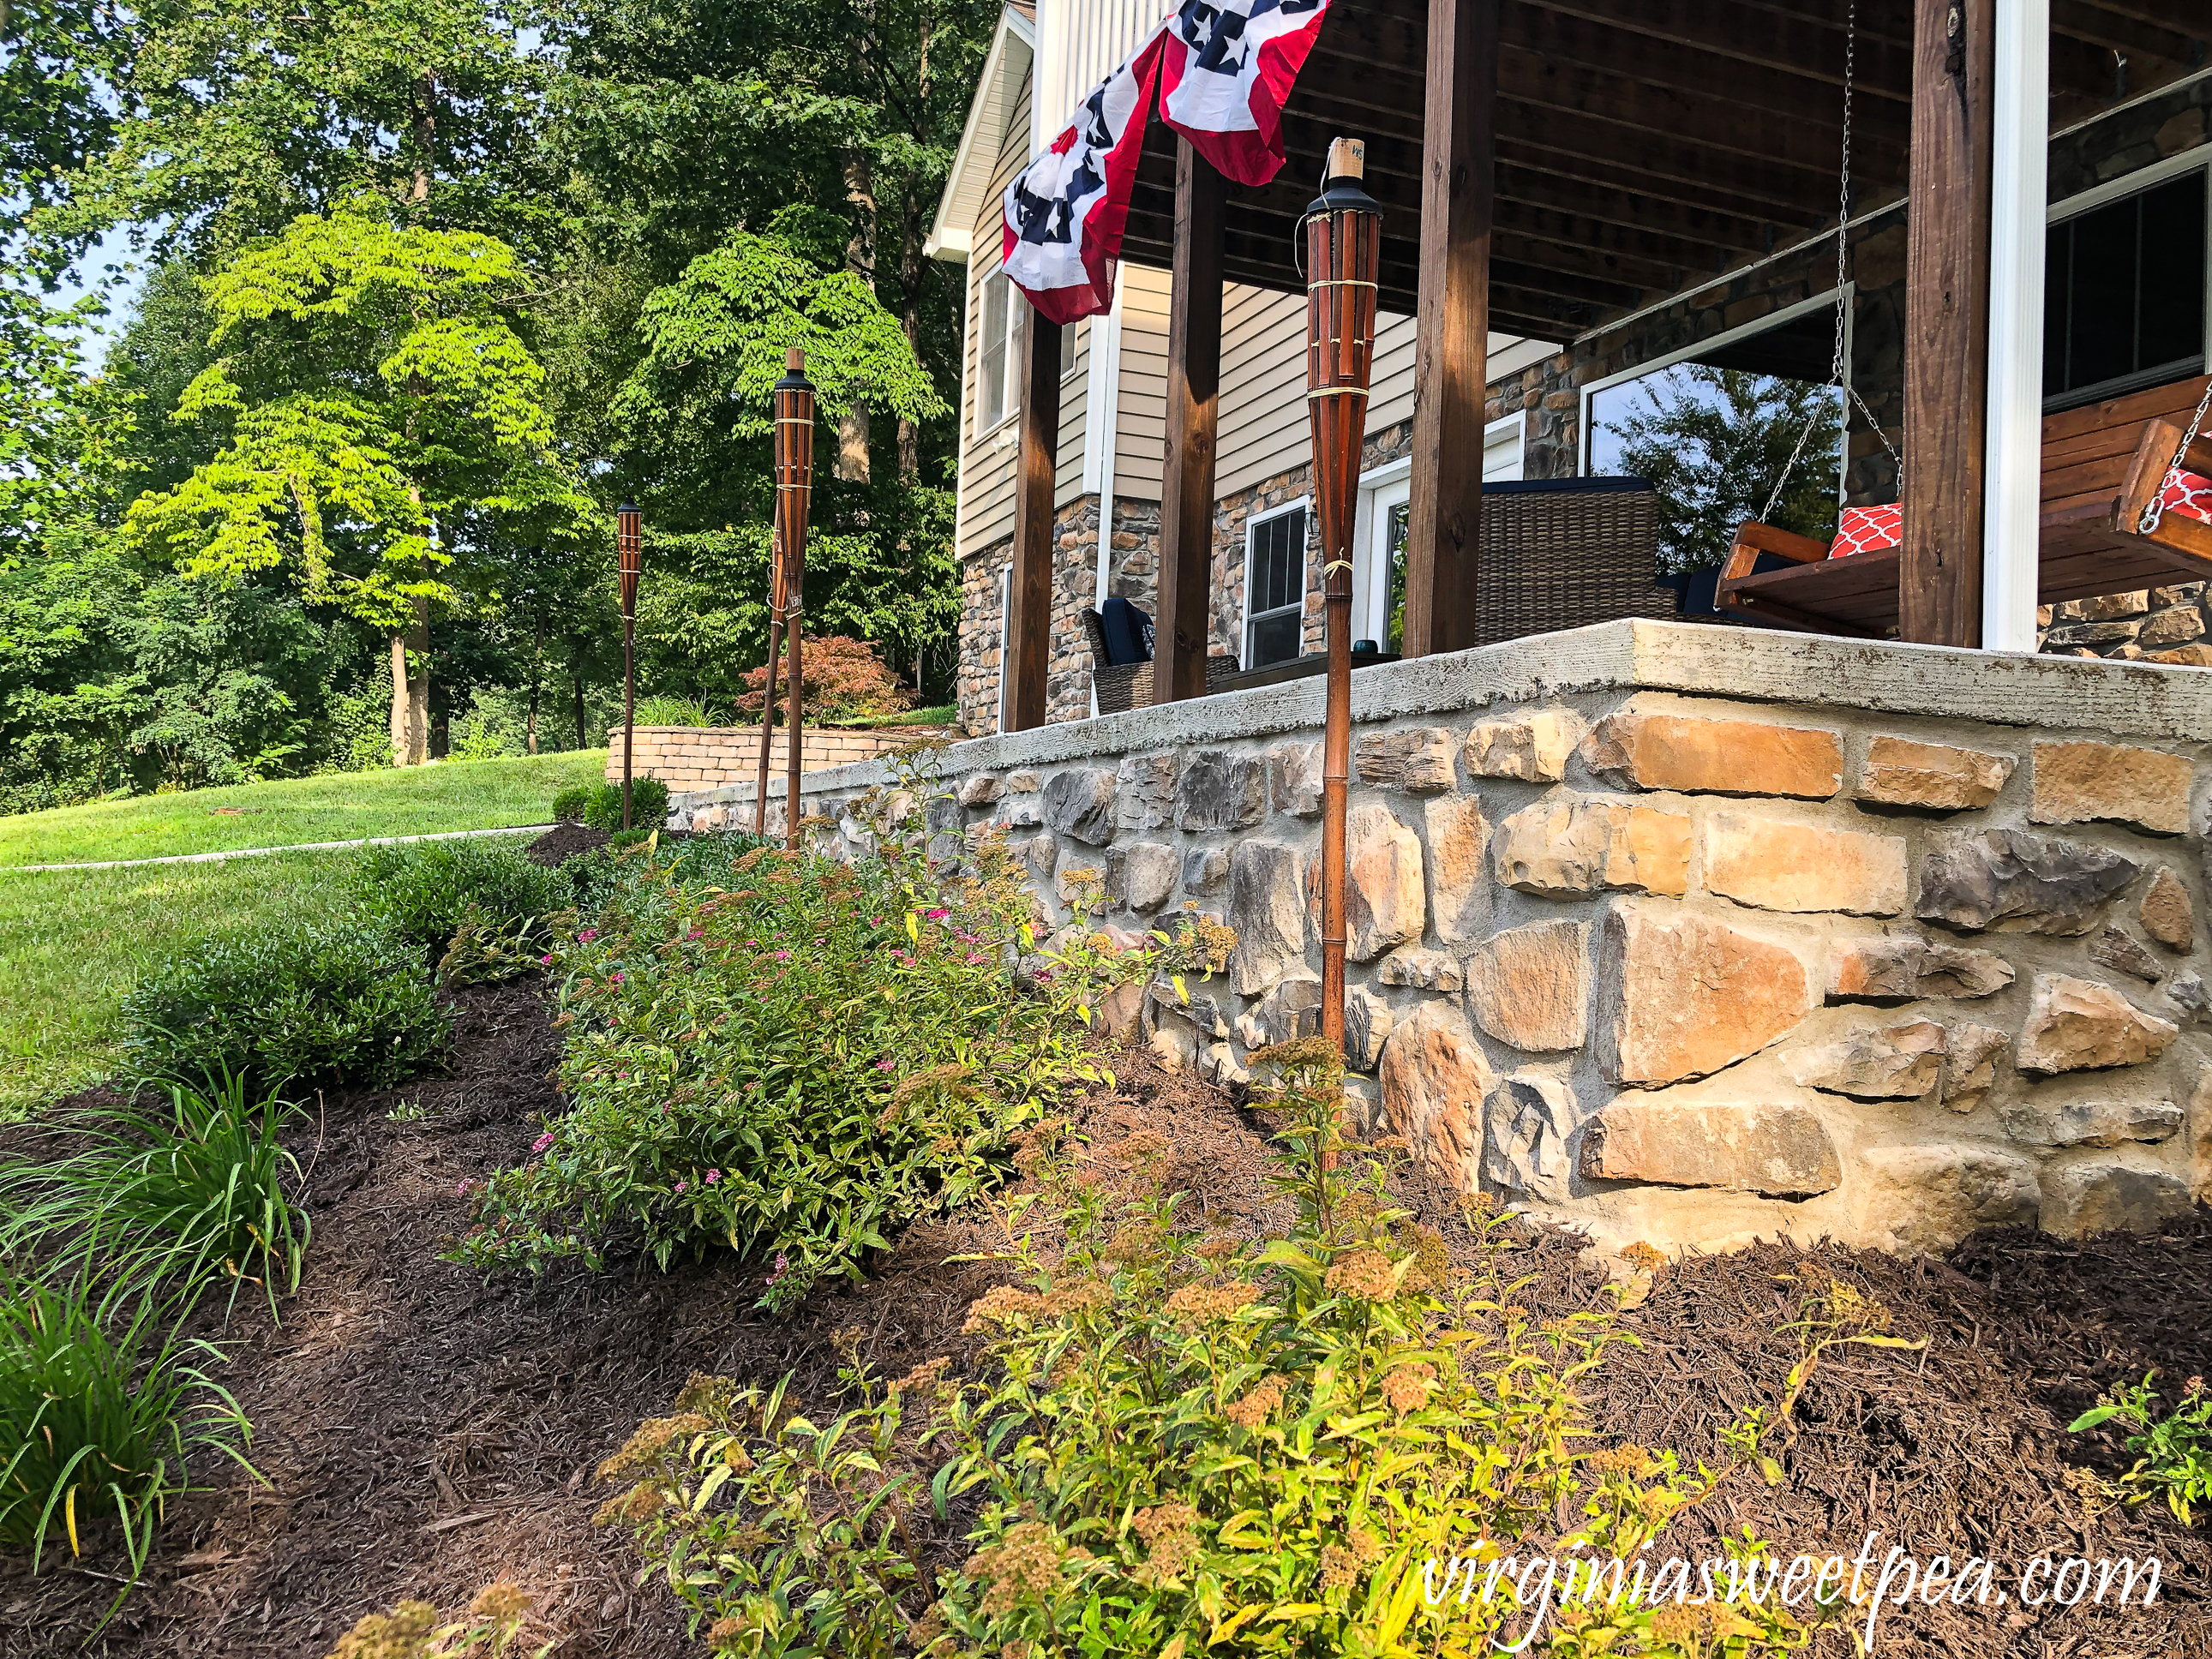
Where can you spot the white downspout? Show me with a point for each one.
(2012, 458)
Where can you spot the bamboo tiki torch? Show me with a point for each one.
(1344, 244)
(768, 695)
(795, 489)
(629, 560)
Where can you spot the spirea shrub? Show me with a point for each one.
(342, 1000)
(789, 1056)
(1183, 1441)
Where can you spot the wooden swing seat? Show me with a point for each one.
(2101, 464)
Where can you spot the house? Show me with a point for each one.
(1613, 187)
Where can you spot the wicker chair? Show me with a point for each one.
(1120, 687)
(1566, 552)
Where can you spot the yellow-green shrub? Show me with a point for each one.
(1186, 1443)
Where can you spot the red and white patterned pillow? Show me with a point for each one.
(1868, 530)
(2188, 494)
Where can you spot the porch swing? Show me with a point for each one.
(2156, 530)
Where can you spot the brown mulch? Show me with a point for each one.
(424, 1433)
(563, 842)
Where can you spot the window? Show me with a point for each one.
(995, 354)
(2124, 294)
(1378, 583)
(999, 353)
(1275, 587)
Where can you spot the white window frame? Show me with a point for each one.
(2162, 172)
(1390, 485)
(1303, 504)
(1825, 301)
(1010, 365)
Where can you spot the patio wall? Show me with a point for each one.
(1685, 934)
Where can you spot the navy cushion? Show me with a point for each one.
(1128, 633)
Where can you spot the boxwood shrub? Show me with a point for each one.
(423, 888)
(344, 999)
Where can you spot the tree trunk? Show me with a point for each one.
(576, 679)
(418, 686)
(425, 100)
(536, 675)
(861, 259)
(399, 700)
(911, 265)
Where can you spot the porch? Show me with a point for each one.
(1561, 169)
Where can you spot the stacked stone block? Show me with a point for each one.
(1694, 969)
(692, 758)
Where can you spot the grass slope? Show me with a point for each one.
(451, 795)
(71, 943)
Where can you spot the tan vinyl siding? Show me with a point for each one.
(1263, 385)
(987, 466)
(1140, 425)
(1075, 411)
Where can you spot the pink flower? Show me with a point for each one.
(886, 1065)
(546, 960)
(614, 979)
(783, 956)
(541, 1143)
(681, 1185)
(939, 914)
(696, 932)
(712, 1176)
(587, 935)
(462, 1191)
(875, 921)
(975, 956)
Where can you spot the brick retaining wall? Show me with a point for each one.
(687, 758)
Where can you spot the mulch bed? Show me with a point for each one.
(424, 1433)
(563, 842)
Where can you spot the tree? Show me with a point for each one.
(1713, 442)
(382, 421)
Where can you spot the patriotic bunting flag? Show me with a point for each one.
(1066, 210)
(1227, 74)
(1224, 71)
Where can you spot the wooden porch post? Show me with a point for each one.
(1029, 623)
(1444, 506)
(1182, 624)
(1946, 317)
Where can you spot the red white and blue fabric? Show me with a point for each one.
(1227, 73)
(1868, 530)
(2186, 495)
(1065, 212)
(1224, 71)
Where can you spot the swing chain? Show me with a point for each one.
(2152, 511)
(1838, 368)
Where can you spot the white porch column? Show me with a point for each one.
(2013, 474)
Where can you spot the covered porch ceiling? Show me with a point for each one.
(1642, 145)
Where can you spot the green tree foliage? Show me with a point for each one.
(372, 387)
(433, 287)
(1714, 440)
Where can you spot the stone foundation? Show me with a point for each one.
(1685, 934)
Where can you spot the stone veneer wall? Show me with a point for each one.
(1687, 934)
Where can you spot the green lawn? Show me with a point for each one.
(418, 801)
(72, 942)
